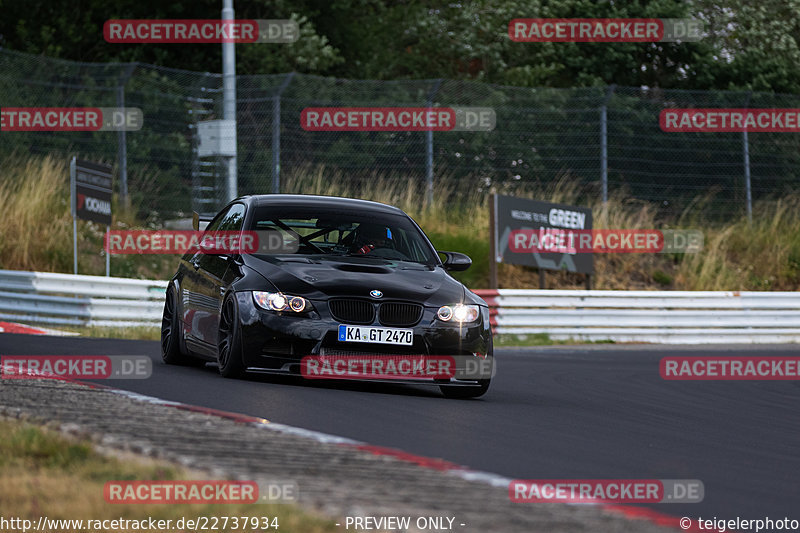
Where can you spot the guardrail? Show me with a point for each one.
(684, 317)
(66, 299)
(671, 317)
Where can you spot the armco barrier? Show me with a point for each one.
(674, 317)
(680, 317)
(66, 299)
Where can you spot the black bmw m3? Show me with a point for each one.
(349, 279)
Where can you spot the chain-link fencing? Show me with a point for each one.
(606, 140)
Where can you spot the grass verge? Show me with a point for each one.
(510, 340)
(142, 333)
(43, 473)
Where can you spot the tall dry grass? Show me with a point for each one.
(35, 230)
(451, 205)
(458, 219)
(35, 226)
(45, 473)
(762, 255)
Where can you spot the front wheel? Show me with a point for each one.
(229, 344)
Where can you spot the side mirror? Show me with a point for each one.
(456, 261)
(200, 222)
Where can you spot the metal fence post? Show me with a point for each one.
(74, 209)
(748, 193)
(276, 134)
(429, 151)
(746, 154)
(122, 140)
(229, 99)
(276, 144)
(604, 142)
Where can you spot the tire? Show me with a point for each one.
(229, 343)
(461, 392)
(171, 352)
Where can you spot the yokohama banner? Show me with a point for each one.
(92, 192)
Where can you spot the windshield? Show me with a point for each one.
(331, 232)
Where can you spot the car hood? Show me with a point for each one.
(320, 277)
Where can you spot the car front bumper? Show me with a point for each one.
(275, 341)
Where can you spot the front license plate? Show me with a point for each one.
(376, 335)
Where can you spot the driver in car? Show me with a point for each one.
(371, 236)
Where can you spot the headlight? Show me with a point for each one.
(276, 301)
(458, 313)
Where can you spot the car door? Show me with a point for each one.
(211, 278)
(195, 308)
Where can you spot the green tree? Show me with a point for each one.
(748, 45)
(65, 30)
(756, 46)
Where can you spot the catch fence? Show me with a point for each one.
(602, 139)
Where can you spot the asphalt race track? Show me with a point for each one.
(555, 412)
